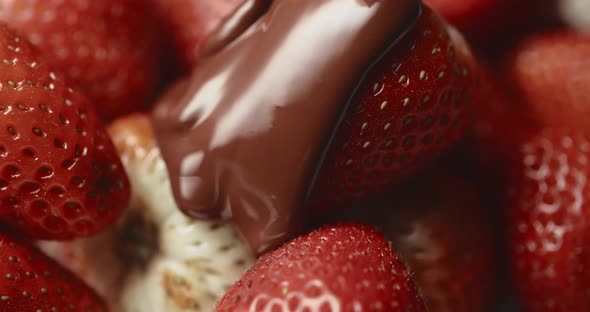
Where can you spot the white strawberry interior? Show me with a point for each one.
(157, 259)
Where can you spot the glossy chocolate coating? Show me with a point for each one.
(245, 138)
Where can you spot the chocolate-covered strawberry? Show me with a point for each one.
(288, 117)
(60, 176)
(411, 107)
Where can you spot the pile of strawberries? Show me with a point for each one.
(459, 181)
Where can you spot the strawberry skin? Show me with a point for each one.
(347, 267)
(548, 209)
(411, 107)
(498, 124)
(466, 14)
(60, 176)
(33, 282)
(551, 75)
(109, 47)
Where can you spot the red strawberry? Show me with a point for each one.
(479, 18)
(498, 125)
(551, 74)
(445, 238)
(411, 108)
(196, 26)
(466, 14)
(338, 268)
(548, 212)
(108, 46)
(33, 282)
(60, 176)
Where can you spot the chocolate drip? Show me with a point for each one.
(244, 139)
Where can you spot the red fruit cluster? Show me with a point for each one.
(108, 47)
(519, 106)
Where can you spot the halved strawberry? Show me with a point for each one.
(33, 282)
(346, 267)
(548, 209)
(60, 176)
(108, 46)
(155, 258)
(551, 74)
(411, 108)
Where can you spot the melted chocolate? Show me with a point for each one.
(244, 140)
(234, 25)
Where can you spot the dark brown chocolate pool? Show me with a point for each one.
(245, 137)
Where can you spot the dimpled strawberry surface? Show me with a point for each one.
(295, 155)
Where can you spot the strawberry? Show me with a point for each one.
(467, 14)
(548, 204)
(551, 75)
(60, 176)
(108, 46)
(497, 126)
(480, 19)
(411, 108)
(155, 258)
(444, 238)
(197, 28)
(347, 267)
(33, 282)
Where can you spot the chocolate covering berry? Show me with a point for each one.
(244, 139)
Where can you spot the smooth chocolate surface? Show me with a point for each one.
(245, 137)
